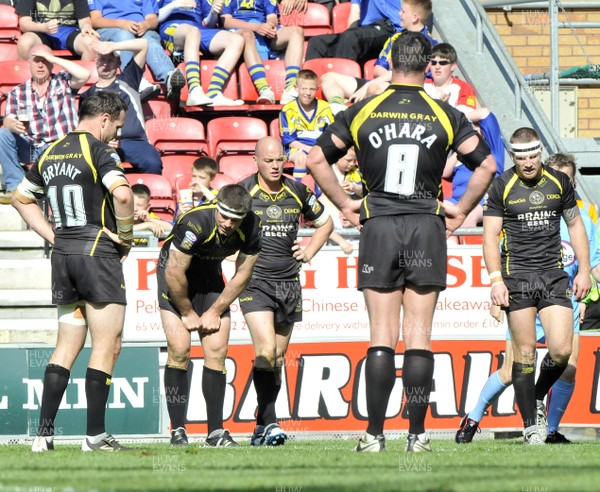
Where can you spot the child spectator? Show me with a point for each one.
(204, 170)
(337, 87)
(143, 218)
(258, 19)
(302, 121)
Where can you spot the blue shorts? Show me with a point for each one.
(63, 39)
(263, 45)
(167, 32)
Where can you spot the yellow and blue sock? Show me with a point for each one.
(291, 73)
(192, 74)
(217, 81)
(258, 76)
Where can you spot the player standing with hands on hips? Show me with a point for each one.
(402, 138)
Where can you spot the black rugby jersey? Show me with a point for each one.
(196, 233)
(280, 215)
(402, 138)
(77, 174)
(531, 211)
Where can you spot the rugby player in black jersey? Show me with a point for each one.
(272, 301)
(193, 297)
(92, 208)
(402, 138)
(526, 204)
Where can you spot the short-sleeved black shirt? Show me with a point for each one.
(531, 212)
(196, 234)
(77, 174)
(402, 138)
(67, 12)
(280, 215)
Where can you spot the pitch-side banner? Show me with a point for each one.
(333, 308)
(324, 387)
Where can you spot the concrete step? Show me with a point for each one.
(26, 313)
(25, 274)
(10, 219)
(24, 239)
(29, 331)
(25, 297)
(21, 254)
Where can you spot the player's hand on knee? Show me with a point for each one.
(191, 321)
(209, 323)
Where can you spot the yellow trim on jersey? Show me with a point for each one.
(96, 242)
(296, 197)
(241, 234)
(255, 189)
(364, 114)
(552, 178)
(508, 187)
(366, 205)
(212, 234)
(503, 234)
(442, 117)
(45, 154)
(87, 154)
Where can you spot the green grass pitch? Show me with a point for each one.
(303, 466)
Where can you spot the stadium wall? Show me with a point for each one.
(526, 34)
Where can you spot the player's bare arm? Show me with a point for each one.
(177, 283)
(579, 240)
(492, 226)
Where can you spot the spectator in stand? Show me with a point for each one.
(443, 85)
(186, 25)
(59, 25)
(143, 218)
(338, 87)
(302, 121)
(348, 175)
(133, 145)
(371, 22)
(486, 123)
(260, 27)
(38, 112)
(122, 21)
(204, 170)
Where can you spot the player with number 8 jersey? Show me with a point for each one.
(402, 138)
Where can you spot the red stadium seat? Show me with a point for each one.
(220, 180)
(339, 65)
(177, 135)
(9, 24)
(368, 69)
(237, 167)
(160, 188)
(274, 128)
(175, 165)
(157, 108)
(8, 52)
(237, 134)
(13, 72)
(471, 240)
(315, 20)
(340, 15)
(275, 71)
(447, 188)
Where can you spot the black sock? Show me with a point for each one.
(213, 389)
(550, 371)
(176, 393)
(417, 377)
(97, 387)
(380, 375)
(266, 394)
(523, 378)
(56, 379)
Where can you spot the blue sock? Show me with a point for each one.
(489, 394)
(562, 391)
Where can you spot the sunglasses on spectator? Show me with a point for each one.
(443, 63)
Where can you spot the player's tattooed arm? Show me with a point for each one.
(570, 214)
